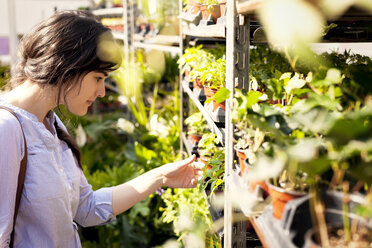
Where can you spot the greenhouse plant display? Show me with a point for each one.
(321, 119)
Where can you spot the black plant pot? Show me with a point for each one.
(296, 219)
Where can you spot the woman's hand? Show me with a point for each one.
(181, 174)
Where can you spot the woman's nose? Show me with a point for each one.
(101, 91)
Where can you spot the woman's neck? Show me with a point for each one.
(33, 98)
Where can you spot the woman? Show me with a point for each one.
(63, 61)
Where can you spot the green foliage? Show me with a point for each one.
(214, 176)
(196, 124)
(4, 75)
(188, 210)
(110, 158)
(208, 144)
(314, 118)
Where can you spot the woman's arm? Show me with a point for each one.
(182, 174)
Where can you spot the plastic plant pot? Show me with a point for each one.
(280, 197)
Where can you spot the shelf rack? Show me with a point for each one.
(220, 133)
(236, 32)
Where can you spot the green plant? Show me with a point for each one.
(213, 174)
(208, 145)
(316, 123)
(4, 75)
(188, 210)
(196, 124)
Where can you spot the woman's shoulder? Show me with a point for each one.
(8, 122)
(10, 130)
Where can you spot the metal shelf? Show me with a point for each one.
(109, 12)
(164, 48)
(218, 131)
(187, 143)
(214, 31)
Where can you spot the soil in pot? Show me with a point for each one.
(280, 197)
(361, 239)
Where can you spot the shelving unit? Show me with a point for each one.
(238, 33)
(234, 32)
(272, 232)
(166, 43)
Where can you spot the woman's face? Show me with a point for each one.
(82, 96)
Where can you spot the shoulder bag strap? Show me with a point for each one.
(21, 178)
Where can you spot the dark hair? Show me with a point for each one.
(61, 50)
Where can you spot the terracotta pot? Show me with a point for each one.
(223, 8)
(215, 11)
(195, 138)
(194, 4)
(241, 157)
(222, 4)
(280, 197)
(205, 160)
(216, 105)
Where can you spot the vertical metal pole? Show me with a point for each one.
(180, 7)
(13, 39)
(230, 82)
(126, 32)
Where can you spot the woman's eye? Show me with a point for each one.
(98, 79)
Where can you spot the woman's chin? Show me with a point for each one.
(80, 112)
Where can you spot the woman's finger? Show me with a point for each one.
(186, 161)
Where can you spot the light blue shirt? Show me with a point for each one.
(56, 193)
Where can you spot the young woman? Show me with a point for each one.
(64, 60)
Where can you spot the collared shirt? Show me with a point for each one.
(56, 193)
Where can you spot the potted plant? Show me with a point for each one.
(207, 147)
(213, 173)
(196, 127)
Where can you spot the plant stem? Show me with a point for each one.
(291, 62)
(318, 216)
(290, 99)
(345, 211)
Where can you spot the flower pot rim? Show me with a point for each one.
(282, 190)
(239, 149)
